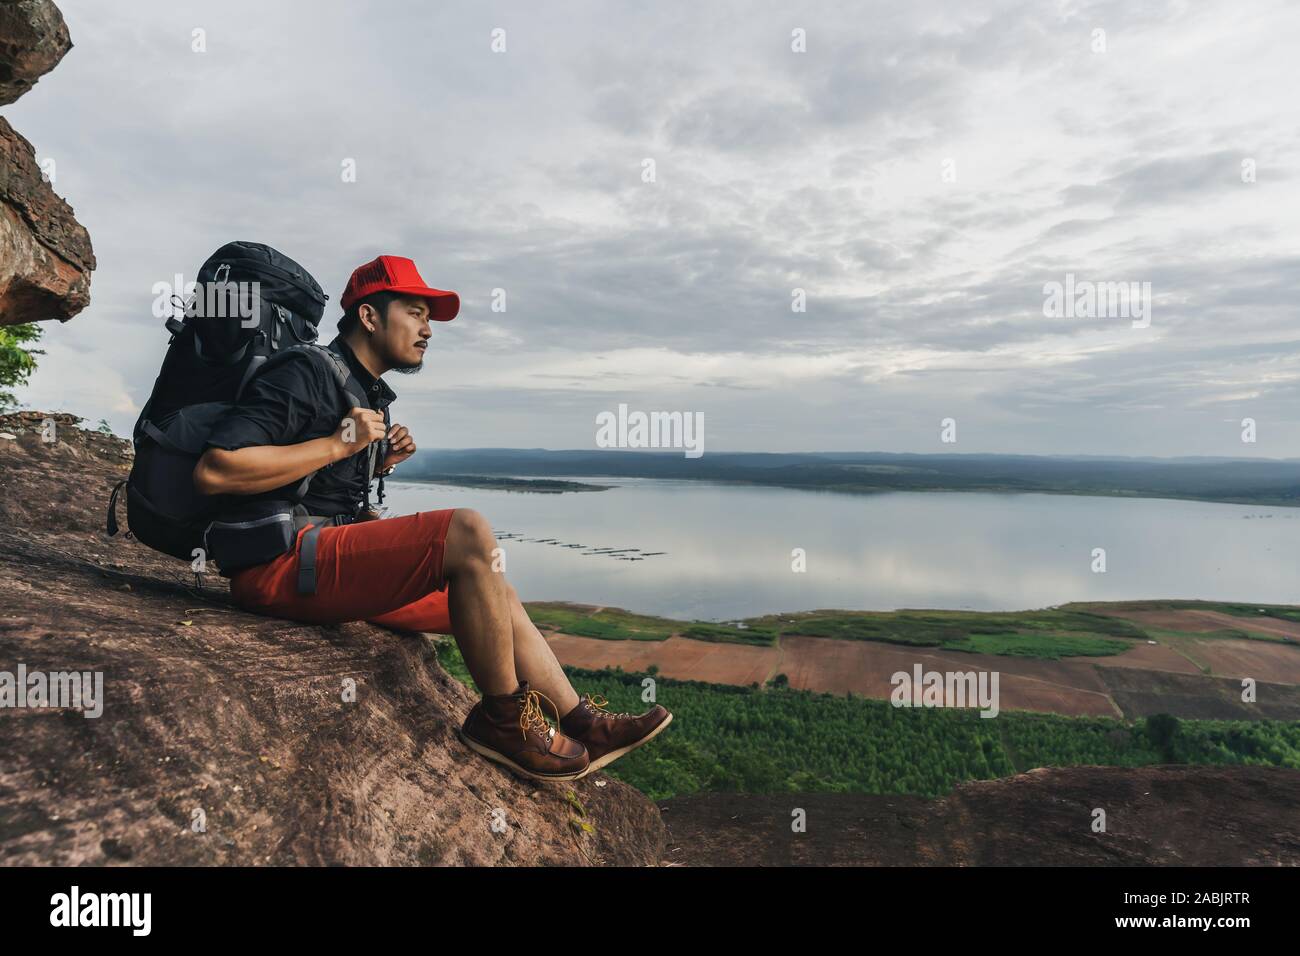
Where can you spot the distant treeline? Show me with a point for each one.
(729, 738)
(1246, 481)
(542, 485)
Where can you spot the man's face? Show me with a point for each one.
(402, 339)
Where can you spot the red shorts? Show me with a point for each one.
(387, 571)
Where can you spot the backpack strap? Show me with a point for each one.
(343, 378)
(377, 451)
(375, 456)
(307, 560)
(110, 524)
(330, 359)
(159, 436)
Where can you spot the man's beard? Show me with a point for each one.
(409, 369)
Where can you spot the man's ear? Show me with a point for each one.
(369, 317)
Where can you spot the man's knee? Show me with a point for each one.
(469, 538)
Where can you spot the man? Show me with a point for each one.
(430, 571)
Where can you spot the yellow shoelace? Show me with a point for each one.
(600, 705)
(533, 717)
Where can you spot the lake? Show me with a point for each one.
(727, 548)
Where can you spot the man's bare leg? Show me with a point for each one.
(478, 600)
(499, 643)
(504, 727)
(535, 661)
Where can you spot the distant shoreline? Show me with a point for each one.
(544, 486)
(1266, 483)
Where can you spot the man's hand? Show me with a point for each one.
(358, 429)
(401, 446)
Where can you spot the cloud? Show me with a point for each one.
(821, 171)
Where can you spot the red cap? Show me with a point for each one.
(399, 275)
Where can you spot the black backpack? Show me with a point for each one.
(251, 308)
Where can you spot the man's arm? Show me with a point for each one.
(258, 446)
(257, 468)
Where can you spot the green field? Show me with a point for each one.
(612, 624)
(738, 739)
(729, 738)
(1072, 630)
(1049, 634)
(729, 633)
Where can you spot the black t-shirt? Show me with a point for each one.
(297, 401)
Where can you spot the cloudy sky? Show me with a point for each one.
(921, 171)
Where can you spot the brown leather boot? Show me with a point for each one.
(608, 736)
(512, 730)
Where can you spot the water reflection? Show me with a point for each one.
(724, 551)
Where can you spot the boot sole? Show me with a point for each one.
(497, 757)
(615, 754)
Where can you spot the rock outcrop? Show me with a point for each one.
(33, 39)
(45, 254)
(225, 737)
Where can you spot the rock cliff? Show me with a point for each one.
(45, 254)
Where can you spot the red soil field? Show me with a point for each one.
(677, 657)
(1147, 657)
(828, 665)
(1194, 620)
(1264, 661)
(1071, 686)
(865, 667)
